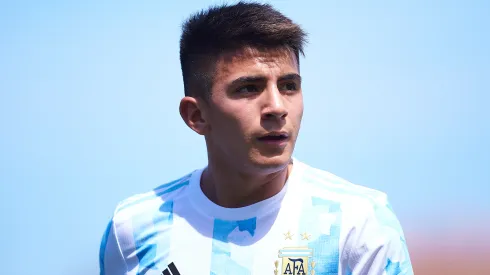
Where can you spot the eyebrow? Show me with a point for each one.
(292, 76)
(248, 79)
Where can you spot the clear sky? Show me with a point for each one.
(396, 98)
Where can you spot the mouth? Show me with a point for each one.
(274, 137)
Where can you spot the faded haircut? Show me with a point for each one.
(211, 32)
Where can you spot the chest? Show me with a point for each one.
(288, 244)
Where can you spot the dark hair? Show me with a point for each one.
(207, 34)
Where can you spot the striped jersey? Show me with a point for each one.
(318, 224)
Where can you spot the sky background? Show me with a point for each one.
(396, 98)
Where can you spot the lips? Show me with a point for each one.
(274, 137)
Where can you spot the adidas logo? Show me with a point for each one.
(171, 270)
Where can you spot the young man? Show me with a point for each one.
(254, 209)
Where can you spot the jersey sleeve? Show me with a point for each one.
(111, 260)
(378, 245)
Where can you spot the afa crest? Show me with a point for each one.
(295, 261)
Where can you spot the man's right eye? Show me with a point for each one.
(247, 89)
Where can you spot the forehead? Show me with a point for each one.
(253, 61)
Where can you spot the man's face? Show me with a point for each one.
(255, 110)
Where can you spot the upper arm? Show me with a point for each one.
(377, 244)
(111, 260)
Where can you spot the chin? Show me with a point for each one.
(271, 164)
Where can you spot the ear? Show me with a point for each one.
(194, 115)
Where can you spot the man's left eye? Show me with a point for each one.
(288, 86)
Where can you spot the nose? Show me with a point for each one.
(274, 107)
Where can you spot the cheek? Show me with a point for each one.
(243, 116)
(296, 111)
(233, 122)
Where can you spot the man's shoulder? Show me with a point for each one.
(359, 204)
(322, 183)
(135, 214)
(150, 201)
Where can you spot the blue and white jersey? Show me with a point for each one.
(319, 224)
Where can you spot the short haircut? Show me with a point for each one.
(209, 33)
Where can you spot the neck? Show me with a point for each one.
(228, 187)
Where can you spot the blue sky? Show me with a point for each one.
(396, 98)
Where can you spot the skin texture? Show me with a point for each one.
(254, 93)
